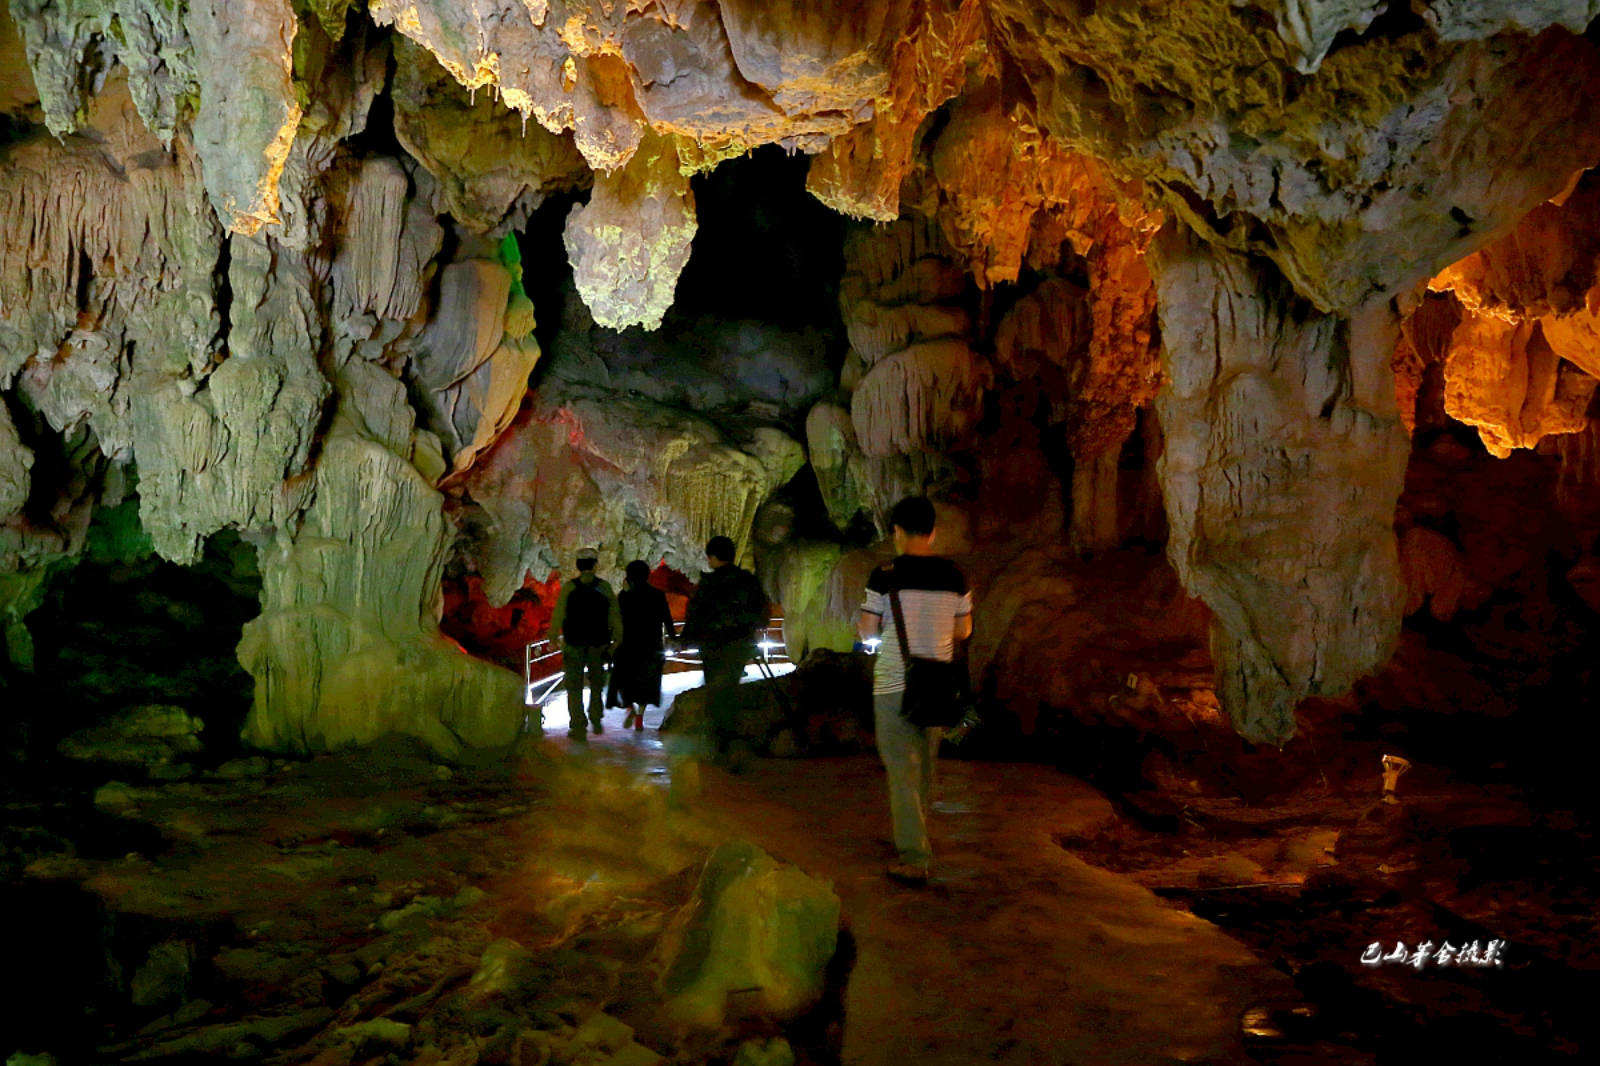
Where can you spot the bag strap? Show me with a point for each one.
(899, 617)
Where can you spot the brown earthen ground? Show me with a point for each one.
(1016, 952)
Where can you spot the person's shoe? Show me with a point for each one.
(638, 721)
(577, 733)
(598, 728)
(909, 873)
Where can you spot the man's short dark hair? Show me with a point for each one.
(720, 548)
(586, 565)
(914, 514)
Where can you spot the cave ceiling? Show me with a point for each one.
(246, 239)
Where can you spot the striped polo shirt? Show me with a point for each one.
(933, 594)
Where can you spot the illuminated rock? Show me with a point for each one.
(753, 926)
(1506, 379)
(347, 648)
(248, 111)
(630, 242)
(475, 373)
(637, 480)
(16, 459)
(492, 167)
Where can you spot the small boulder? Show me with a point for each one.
(601, 1032)
(375, 1035)
(774, 1052)
(634, 1054)
(755, 931)
(237, 769)
(155, 737)
(502, 970)
(165, 974)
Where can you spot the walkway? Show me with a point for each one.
(1017, 952)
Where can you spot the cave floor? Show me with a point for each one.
(1016, 952)
(278, 914)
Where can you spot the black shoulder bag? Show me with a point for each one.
(935, 690)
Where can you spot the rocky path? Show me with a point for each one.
(1016, 952)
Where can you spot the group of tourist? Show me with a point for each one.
(918, 606)
(631, 630)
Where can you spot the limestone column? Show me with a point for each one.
(347, 647)
(1284, 457)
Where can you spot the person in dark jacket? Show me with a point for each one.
(726, 613)
(636, 668)
(584, 625)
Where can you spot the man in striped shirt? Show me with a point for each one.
(937, 606)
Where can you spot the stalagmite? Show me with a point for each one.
(1095, 482)
(347, 647)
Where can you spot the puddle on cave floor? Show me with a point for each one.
(1310, 883)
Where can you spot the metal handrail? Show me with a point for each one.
(536, 691)
(546, 683)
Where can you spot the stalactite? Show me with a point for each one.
(630, 242)
(249, 113)
(1579, 481)
(387, 241)
(928, 397)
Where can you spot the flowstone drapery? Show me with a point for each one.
(347, 647)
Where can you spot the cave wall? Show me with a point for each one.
(259, 252)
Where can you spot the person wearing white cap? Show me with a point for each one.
(585, 623)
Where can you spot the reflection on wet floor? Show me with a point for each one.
(648, 740)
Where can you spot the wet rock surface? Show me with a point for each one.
(1326, 869)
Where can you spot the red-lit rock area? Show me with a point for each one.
(1248, 350)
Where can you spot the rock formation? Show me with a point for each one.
(347, 646)
(269, 256)
(638, 479)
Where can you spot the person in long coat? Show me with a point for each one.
(646, 625)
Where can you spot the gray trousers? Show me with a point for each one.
(908, 754)
(576, 660)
